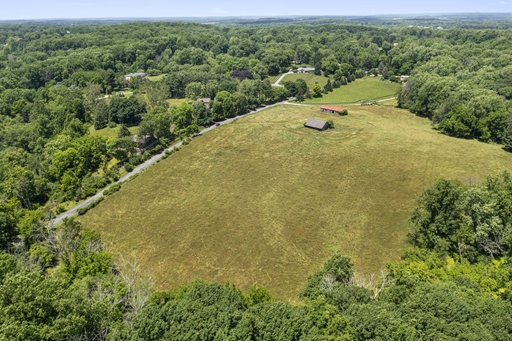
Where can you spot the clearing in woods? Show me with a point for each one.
(309, 78)
(361, 89)
(266, 201)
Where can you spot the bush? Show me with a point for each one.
(60, 208)
(112, 189)
(112, 124)
(344, 112)
(83, 210)
(331, 124)
(128, 167)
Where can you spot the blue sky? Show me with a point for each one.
(48, 9)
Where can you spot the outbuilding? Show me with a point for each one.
(332, 110)
(316, 124)
(306, 70)
(137, 74)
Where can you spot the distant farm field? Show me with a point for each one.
(266, 201)
(309, 78)
(361, 89)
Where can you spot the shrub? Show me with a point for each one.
(60, 208)
(83, 210)
(128, 167)
(112, 124)
(112, 189)
(331, 124)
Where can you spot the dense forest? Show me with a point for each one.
(60, 82)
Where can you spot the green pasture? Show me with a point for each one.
(309, 78)
(155, 78)
(361, 89)
(266, 201)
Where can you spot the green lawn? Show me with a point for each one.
(156, 78)
(310, 78)
(366, 88)
(110, 132)
(273, 79)
(266, 201)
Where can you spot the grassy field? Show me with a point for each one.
(273, 79)
(266, 201)
(310, 79)
(110, 132)
(156, 78)
(365, 88)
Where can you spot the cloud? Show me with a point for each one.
(504, 3)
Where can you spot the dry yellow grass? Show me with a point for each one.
(266, 201)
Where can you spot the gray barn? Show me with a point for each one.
(316, 124)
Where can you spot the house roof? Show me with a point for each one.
(327, 107)
(306, 69)
(314, 123)
(137, 74)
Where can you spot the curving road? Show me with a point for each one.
(146, 164)
(281, 78)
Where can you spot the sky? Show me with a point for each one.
(71, 9)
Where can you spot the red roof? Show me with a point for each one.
(326, 107)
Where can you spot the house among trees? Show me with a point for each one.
(137, 74)
(306, 70)
(332, 110)
(316, 124)
(206, 102)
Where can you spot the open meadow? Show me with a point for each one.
(361, 89)
(309, 78)
(266, 201)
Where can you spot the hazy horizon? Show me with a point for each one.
(154, 9)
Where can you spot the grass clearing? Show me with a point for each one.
(110, 132)
(309, 78)
(156, 78)
(365, 88)
(266, 201)
(274, 79)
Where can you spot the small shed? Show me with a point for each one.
(332, 110)
(316, 124)
(206, 102)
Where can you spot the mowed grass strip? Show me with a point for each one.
(266, 201)
(365, 88)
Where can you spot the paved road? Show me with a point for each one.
(148, 163)
(281, 78)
